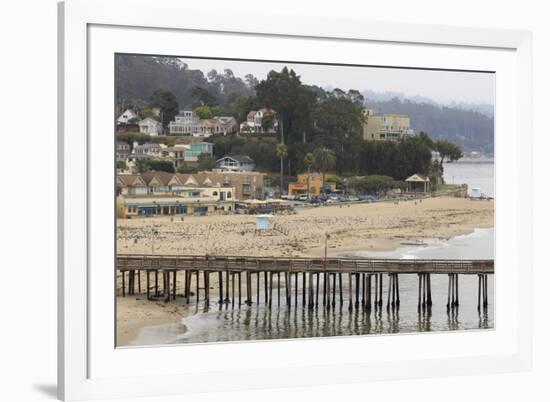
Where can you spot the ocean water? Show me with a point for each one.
(476, 173)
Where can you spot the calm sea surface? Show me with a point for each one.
(257, 322)
(476, 173)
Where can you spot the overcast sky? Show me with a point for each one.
(441, 86)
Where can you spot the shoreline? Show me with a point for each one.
(374, 226)
(134, 313)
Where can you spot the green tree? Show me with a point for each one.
(156, 165)
(167, 103)
(309, 160)
(267, 121)
(373, 184)
(280, 92)
(282, 152)
(201, 96)
(204, 112)
(447, 151)
(338, 122)
(206, 162)
(426, 140)
(325, 159)
(187, 169)
(141, 166)
(121, 165)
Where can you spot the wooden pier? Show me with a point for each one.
(323, 282)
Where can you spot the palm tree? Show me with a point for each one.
(282, 153)
(309, 160)
(325, 159)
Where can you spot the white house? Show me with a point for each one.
(236, 163)
(185, 123)
(125, 117)
(253, 123)
(150, 126)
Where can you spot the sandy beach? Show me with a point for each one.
(375, 227)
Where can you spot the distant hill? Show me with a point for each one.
(138, 76)
(471, 129)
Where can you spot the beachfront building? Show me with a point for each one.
(315, 181)
(247, 185)
(131, 184)
(418, 183)
(236, 163)
(244, 185)
(150, 126)
(254, 122)
(316, 185)
(161, 193)
(386, 127)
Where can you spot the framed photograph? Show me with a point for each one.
(247, 204)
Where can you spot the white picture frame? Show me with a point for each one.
(89, 368)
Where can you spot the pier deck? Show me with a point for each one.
(126, 262)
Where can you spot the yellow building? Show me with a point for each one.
(386, 127)
(315, 185)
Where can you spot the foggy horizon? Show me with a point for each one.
(444, 87)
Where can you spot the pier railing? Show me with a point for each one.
(126, 262)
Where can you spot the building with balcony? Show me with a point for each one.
(386, 127)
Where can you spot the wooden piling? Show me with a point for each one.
(429, 281)
(449, 293)
(258, 288)
(340, 288)
(198, 278)
(232, 289)
(304, 288)
(156, 283)
(456, 290)
(478, 292)
(174, 285)
(398, 301)
(220, 284)
(239, 276)
(148, 284)
(381, 287)
(357, 290)
(350, 291)
(270, 288)
(278, 289)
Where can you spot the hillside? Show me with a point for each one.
(139, 76)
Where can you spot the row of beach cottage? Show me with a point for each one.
(162, 193)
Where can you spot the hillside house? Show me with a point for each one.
(150, 126)
(236, 163)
